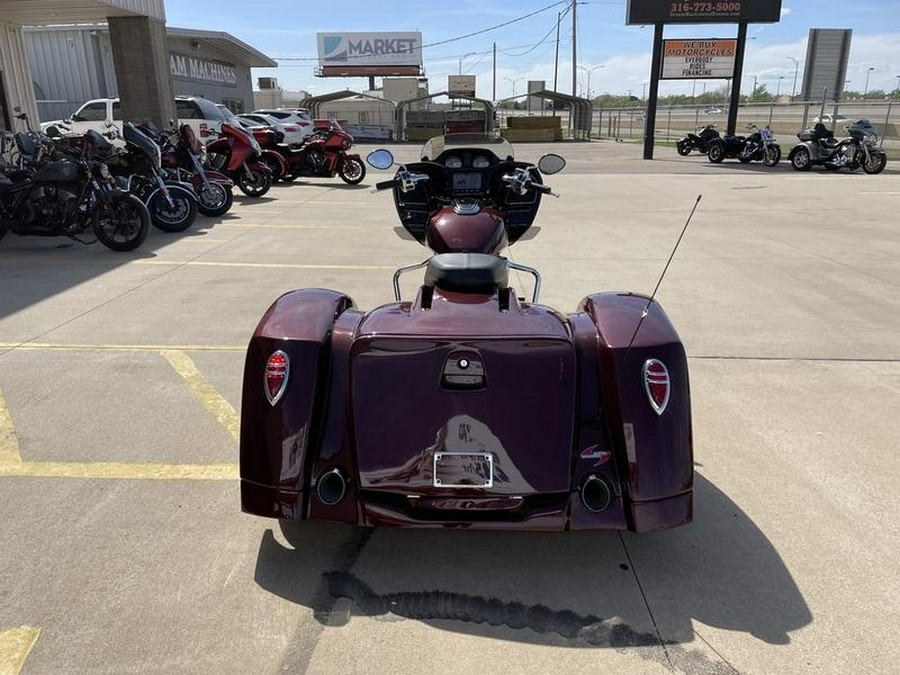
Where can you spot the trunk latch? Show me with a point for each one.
(463, 370)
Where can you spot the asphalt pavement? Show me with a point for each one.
(122, 545)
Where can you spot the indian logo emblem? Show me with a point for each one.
(656, 384)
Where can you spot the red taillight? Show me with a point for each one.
(656, 384)
(204, 130)
(276, 376)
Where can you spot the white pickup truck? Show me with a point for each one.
(202, 114)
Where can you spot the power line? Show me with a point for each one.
(448, 40)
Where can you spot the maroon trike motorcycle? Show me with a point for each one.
(468, 406)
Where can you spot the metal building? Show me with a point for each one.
(72, 64)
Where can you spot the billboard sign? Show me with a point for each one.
(461, 85)
(643, 12)
(827, 53)
(372, 50)
(698, 59)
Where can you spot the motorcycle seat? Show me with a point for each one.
(829, 142)
(467, 272)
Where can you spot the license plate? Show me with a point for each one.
(464, 469)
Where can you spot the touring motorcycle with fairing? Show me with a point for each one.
(467, 406)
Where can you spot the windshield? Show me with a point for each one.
(495, 144)
(227, 114)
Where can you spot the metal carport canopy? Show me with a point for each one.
(312, 103)
(582, 110)
(489, 107)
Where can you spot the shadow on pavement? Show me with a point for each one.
(572, 589)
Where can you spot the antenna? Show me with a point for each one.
(665, 269)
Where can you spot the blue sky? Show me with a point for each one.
(617, 56)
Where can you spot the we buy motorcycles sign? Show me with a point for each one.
(698, 59)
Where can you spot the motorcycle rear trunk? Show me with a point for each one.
(467, 407)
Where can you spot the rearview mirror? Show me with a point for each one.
(551, 163)
(380, 159)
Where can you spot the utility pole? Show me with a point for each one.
(556, 60)
(494, 94)
(574, 55)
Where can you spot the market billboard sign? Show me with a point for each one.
(184, 67)
(643, 12)
(698, 59)
(370, 49)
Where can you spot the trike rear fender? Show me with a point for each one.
(654, 448)
(275, 438)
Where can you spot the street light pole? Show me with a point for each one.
(513, 81)
(796, 70)
(778, 90)
(868, 72)
(589, 71)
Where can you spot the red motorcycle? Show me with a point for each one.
(237, 154)
(183, 159)
(272, 158)
(324, 156)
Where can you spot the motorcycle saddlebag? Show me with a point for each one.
(62, 171)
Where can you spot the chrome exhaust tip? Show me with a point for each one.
(331, 486)
(596, 495)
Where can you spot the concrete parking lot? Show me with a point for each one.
(123, 550)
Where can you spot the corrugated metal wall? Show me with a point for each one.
(64, 65)
(16, 75)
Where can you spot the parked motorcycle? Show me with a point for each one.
(182, 159)
(467, 406)
(324, 155)
(818, 146)
(173, 205)
(760, 145)
(699, 141)
(270, 155)
(72, 196)
(237, 154)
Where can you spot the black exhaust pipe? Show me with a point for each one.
(596, 495)
(331, 486)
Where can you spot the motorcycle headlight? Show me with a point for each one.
(346, 144)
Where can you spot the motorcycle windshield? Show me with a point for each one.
(134, 136)
(433, 148)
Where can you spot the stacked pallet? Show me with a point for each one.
(532, 129)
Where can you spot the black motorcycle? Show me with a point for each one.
(818, 146)
(758, 146)
(173, 205)
(699, 141)
(72, 196)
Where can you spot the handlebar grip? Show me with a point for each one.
(386, 184)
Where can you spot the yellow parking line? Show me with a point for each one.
(9, 441)
(200, 387)
(121, 470)
(15, 646)
(295, 266)
(46, 346)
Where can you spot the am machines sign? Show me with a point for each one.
(697, 59)
(383, 54)
(186, 67)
